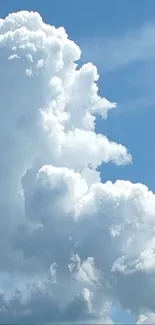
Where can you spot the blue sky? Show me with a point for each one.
(118, 37)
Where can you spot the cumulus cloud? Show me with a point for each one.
(147, 318)
(70, 245)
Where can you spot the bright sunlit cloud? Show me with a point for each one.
(70, 244)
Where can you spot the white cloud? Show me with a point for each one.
(147, 318)
(69, 243)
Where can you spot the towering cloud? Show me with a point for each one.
(70, 245)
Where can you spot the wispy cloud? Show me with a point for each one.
(132, 54)
(137, 103)
(114, 53)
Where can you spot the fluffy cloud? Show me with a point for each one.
(147, 318)
(70, 245)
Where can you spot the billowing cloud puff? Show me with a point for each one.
(70, 245)
(147, 318)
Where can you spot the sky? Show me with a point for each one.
(57, 155)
